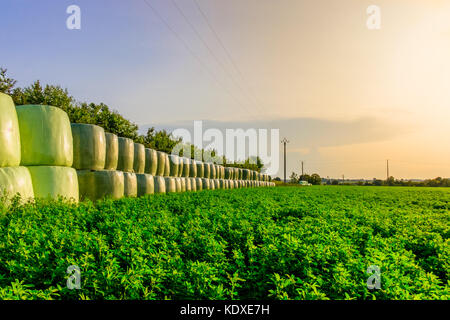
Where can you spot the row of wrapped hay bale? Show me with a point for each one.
(35, 152)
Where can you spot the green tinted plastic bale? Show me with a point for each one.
(174, 165)
(160, 185)
(229, 173)
(145, 184)
(193, 184)
(126, 155)
(193, 168)
(9, 133)
(237, 174)
(212, 186)
(212, 171)
(97, 185)
(139, 158)
(205, 184)
(216, 184)
(200, 170)
(130, 184)
(186, 167)
(167, 165)
(112, 151)
(206, 171)
(89, 146)
(161, 163)
(183, 184)
(170, 185)
(199, 184)
(151, 161)
(246, 174)
(15, 181)
(222, 184)
(45, 136)
(54, 182)
(188, 184)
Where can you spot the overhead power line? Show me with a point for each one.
(227, 52)
(189, 49)
(213, 54)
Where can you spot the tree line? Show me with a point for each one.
(102, 115)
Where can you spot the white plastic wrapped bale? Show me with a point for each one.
(54, 182)
(161, 163)
(212, 171)
(183, 184)
(89, 146)
(205, 184)
(126, 155)
(167, 165)
(171, 185)
(181, 167)
(145, 184)
(174, 165)
(231, 184)
(15, 181)
(130, 184)
(186, 167)
(139, 158)
(188, 184)
(178, 187)
(45, 136)
(206, 170)
(9, 133)
(112, 151)
(160, 184)
(200, 169)
(151, 161)
(193, 184)
(96, 185)
(193, 168)
(199, 184)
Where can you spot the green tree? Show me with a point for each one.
(6, 84)
(293, 178)
(315, 179)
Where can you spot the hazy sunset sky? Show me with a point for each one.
(347, 97)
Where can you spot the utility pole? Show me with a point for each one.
(343, 179)
(284, 141)
(387, 169)
(302, 168)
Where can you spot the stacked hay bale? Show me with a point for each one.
(47, 151)
(96, 156)
(14, 180)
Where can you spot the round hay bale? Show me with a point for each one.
(216, 184)
(139, 158)
(178, 186)
(96, 185)
(199, 184)
(186, 167)
(10, 153)
(126, 155)
(15, 181)
(212, 171)
(174, 165)
(130, 184)
(193, 168)
(205, 184)
(161, 163)
(183, 184)
(54, 182)
(212, 186)
(193, 184)
(171, 185)
(151, 161)
(206, 170)
(112, 151)
(222, 184)
(200, 170)
(145, 184)
(89, 147)
(160, 184)
(229, 173)
(167, 165)
(180, 169)
(45, 136)
(188, 184)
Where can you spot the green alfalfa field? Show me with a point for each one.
(262, 243)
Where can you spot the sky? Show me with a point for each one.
(345, 96)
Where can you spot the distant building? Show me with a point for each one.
(304, 183)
